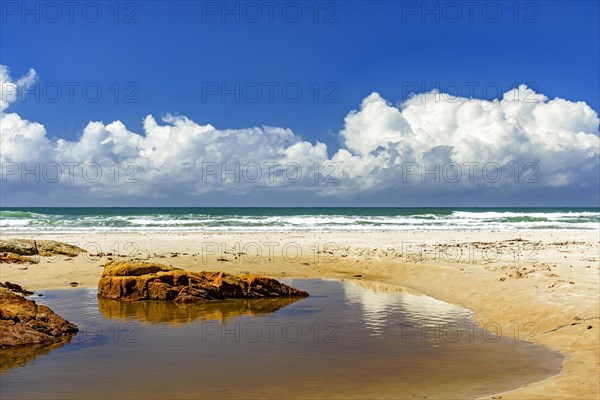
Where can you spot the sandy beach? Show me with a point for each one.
(537, 286)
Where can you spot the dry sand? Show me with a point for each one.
(543, 286)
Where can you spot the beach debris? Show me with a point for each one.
(138, 280)
(23, 322)
(222, 259)
(74, 284)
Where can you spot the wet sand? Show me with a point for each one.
(538, 286)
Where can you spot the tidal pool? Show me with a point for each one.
(349, 339)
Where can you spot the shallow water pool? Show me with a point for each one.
(349, 339)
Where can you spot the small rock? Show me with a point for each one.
(74, 284)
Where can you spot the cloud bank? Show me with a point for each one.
(432, 144)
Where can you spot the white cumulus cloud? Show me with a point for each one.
(552, 142)
(9, 89)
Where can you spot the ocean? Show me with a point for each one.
(194, 219)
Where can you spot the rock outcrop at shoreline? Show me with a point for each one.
(138, 280)
(23, 322)
(18, 250)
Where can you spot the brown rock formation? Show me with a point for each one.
(52, 247)
(23, 247)
(138, 280)
(15, 288)
(12, 258)
(23, 322)
(28, 247)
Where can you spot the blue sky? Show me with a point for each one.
(164, 58)
(170, 52)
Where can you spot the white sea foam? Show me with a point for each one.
(25, 221)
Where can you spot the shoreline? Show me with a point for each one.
(144, 231)
(545, 278)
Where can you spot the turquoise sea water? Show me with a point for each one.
(16, 220)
